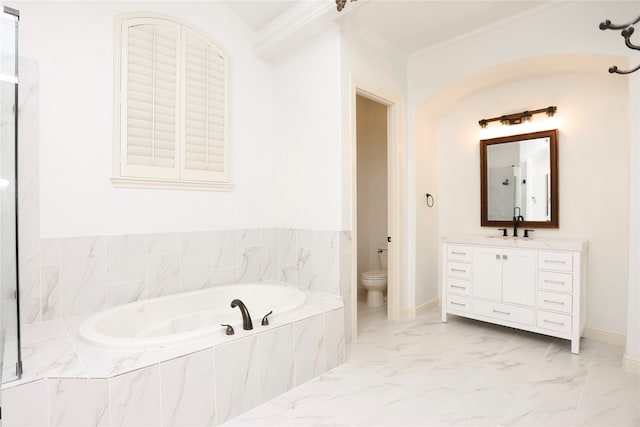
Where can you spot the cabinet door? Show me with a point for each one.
(519, 276)
(487, 273)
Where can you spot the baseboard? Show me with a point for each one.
(604, 336)
(631, 365)
(413, 312)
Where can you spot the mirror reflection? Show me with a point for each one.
(519, 179)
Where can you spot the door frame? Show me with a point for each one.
(395, 139)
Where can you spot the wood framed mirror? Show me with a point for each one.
(519, 176)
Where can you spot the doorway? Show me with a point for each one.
(371, 204)
(391, 104)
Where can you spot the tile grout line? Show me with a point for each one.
(160, 393)
(525, 382)
(584, 385)
(108, 409)
(75, 350)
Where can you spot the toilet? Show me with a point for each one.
(375, 281)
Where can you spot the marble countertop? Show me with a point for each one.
(551, 243)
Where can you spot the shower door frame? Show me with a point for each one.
(15, 80)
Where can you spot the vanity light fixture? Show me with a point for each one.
(341, 3)
(518, 118)
(627, 31)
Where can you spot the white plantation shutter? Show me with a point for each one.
(150, 109)
(205, 116)
(173, 105)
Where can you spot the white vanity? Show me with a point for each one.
(537, 285)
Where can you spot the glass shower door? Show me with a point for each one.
(9, 311)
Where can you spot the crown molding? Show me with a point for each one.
(308, 17)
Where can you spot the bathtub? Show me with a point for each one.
(141, 365)
(186, 317)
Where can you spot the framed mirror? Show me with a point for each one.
(519, 176)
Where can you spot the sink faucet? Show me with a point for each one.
(246, 317)
(517, 219)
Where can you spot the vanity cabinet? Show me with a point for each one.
(506, 275)
(530, 284)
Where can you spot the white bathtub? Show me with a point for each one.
(181, 318)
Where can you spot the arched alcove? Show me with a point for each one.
(595, 136)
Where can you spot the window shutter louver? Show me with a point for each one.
(205, 115)
(151, 99)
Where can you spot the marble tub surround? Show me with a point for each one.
(204, 383)
(48, 351)
(346, 270)
(310, 259)
(29, 191)
(69, 276)
(54, 349)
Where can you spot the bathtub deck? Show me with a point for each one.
(243, 370)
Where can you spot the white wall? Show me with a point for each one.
(504, 155)
(632, 350)
(307, 152)
(379, 68)
(426, 168)
(372, 182)
(72, 44)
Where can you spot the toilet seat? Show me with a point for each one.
(374, 274)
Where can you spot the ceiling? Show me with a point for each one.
(407, 25)
(258, 13)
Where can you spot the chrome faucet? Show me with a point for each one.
(246, 317)
(517, 219)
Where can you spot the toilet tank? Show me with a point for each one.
(382, 256)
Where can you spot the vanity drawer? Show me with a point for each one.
(458, 269)
(556, 302)
(458, 303)
(458, 286)
(558, 261)
(554, 321)
(511, 313)
(459, 253)
(551, 281)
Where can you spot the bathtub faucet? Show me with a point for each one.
(246, 317)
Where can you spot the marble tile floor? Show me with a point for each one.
(421, 372)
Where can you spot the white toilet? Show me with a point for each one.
(375, 281)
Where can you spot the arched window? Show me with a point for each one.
(172, 106)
